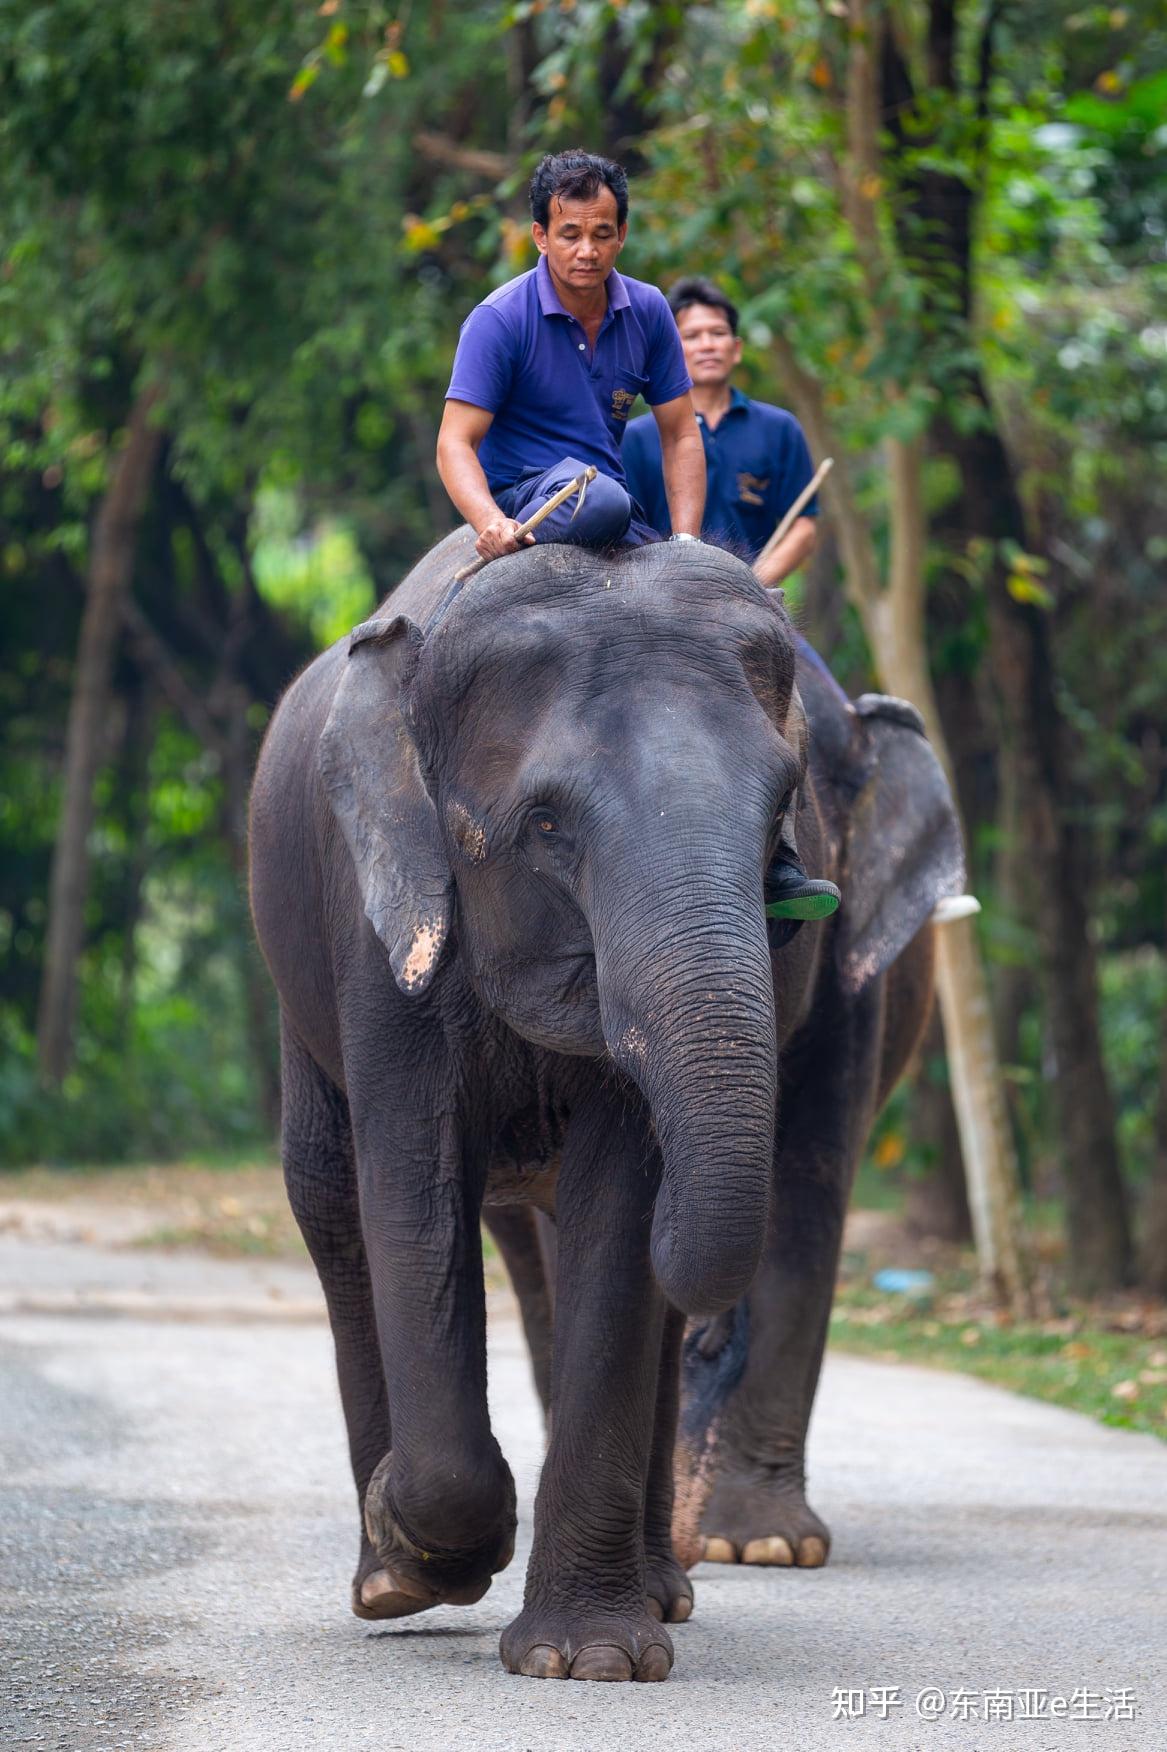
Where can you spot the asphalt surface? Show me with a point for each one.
(177, 1535)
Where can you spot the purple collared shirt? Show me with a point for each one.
(523, 357)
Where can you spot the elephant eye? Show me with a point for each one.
(546, 824)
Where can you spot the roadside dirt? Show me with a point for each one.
(224, 1211)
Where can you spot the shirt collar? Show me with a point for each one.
(738, 403)
(549, 301)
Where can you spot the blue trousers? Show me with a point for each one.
(610, 516)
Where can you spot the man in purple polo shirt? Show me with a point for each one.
(546, 373)
(548, 369)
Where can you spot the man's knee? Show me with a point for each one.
(600, 521)
(605, 515)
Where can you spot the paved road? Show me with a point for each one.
(176, 1538)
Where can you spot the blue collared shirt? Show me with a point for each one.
(756, 462)
(525, 358)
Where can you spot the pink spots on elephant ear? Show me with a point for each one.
(423, 952)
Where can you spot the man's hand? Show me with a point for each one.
(500, 536)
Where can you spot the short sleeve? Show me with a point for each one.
(668, 376)
(484, 362)
(799, 471)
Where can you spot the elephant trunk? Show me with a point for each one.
(687, 1008)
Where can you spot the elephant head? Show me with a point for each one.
(582, 771)
(582, 774)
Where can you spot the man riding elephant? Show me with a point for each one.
(547, 371)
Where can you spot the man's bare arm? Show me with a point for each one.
(464, 426)
(796, 546)
(683, 464)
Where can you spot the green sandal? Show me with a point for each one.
(806, 899)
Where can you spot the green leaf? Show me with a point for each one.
(1023, 587)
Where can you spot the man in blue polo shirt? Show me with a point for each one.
(756, 455)
(547, 371)
(758, 462)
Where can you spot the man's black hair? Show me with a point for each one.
(695, 290)
(576, 176)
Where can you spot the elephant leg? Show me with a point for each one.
(751, 1378)
(320, 1175)
(585, 1612)
(670, 1592)
(514, 1232)
(440, 1504)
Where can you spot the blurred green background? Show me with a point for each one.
(255, 231)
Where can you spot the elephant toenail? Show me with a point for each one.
(775, 1551)
(655, 1664)
(375, 1587)
(681, 1610)
(543, 1662)
(656, 1610)
(812, 1553)
(602, 1662)
(720, 1551)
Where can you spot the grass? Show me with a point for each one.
(1109, 1363)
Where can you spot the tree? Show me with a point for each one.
(116, 140)
(111, 557)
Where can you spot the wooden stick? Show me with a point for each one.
(578, 485)
(820, 474)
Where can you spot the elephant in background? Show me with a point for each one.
(509, 874)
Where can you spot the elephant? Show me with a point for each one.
(509, 852)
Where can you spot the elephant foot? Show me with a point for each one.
(670, 1592)
(558, 1643)
(760, 1515)
(397, 1577)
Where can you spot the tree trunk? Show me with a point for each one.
(110, 566)
(141, 724)
(627, 103)
(1096, 1205)
(1153, 1251)
(936, 1203)
(893, 617)
(939, 209)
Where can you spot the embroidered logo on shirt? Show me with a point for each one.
(622, 400)
(750, 488)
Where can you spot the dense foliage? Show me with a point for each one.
(278, 216)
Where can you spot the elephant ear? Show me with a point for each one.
(368, 762)
(904, 848)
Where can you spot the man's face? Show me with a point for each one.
(582, 240)
(711, 347)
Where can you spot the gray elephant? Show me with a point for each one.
(509, 875)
